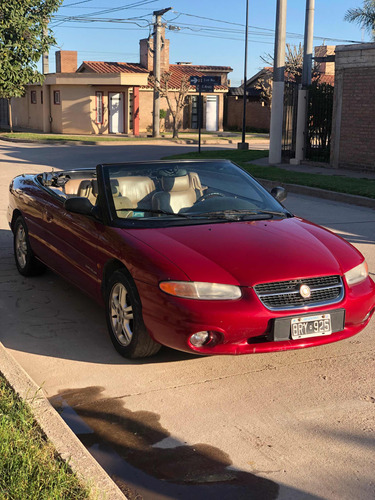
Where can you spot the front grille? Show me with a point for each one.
(281, 295)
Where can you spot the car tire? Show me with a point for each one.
(124, 318)
(26, 262)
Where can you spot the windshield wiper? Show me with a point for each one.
(272, 212)
(152, 211)
(226, 214)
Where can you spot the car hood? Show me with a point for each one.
(250, 252)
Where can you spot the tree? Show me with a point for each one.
(364, 16)
(177, 105)
(293, 71)
(24, 37)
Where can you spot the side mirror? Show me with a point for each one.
(79, 205)
(279, 193)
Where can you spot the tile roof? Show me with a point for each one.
(268, 71)
(327, 79)
(178, 71)
(111, 67)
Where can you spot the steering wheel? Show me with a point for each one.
(209, 195)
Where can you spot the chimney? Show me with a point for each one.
(66, 61)
(146, 46)
(327, 67)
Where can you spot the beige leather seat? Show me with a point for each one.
(176, 195)
(139, 190)
(73, 186)
(122, 202)
(195, 183)
(80, 187)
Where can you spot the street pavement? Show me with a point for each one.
(288, 425)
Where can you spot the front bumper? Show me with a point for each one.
(245, 325)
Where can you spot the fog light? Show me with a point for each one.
(369, 314)
(199, 339)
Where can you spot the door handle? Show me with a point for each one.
(48, 216)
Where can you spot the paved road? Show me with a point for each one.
(298, 424)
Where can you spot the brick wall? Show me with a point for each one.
(257, 116)
(357, 138)
(353, 135)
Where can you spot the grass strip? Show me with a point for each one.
(25, 136)
(30, 468)
(341, 184)
(89, 139)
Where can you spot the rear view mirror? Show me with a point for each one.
(279, 193)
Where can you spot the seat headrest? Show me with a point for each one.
(175, 184)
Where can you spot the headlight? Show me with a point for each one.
(357, 274)
(201, 291)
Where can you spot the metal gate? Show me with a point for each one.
(319, 124)
(4, 113)
(290, 120)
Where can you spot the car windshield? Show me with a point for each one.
(187, 190)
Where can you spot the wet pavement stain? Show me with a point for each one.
(146, 461)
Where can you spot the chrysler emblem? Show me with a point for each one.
(305, 291)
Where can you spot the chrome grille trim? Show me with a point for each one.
(284, 295)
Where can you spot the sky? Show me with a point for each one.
(207, 32)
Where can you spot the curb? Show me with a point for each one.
(66, 443)
(321, 193)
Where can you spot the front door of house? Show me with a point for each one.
(212, 109)
(116, 113)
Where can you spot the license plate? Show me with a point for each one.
(311, 326)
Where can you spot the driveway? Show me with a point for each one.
(296, 424)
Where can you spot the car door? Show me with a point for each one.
(77, 239)
(67, 242)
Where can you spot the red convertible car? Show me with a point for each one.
(194, 255)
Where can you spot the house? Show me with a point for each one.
(259, 92)
(113, 97)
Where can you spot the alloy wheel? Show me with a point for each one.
(21, 246)
(121, 314)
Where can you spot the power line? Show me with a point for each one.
(221, 37)
(203, 29)
(103, 28)
(124, 7)
(272, 31)
(76, 3)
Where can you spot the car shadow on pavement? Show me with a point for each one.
(147, 462)
(46, 315)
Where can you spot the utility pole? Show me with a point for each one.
(276, 129)
(157, 49)
(306, 82)
(45, 57)
(244, 144)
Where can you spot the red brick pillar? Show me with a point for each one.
(136, 111)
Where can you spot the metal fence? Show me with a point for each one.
(290, 120)
(319, 125)
(319, 121)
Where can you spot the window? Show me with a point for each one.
(33, 96)
(99, 107)
(56, 97)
